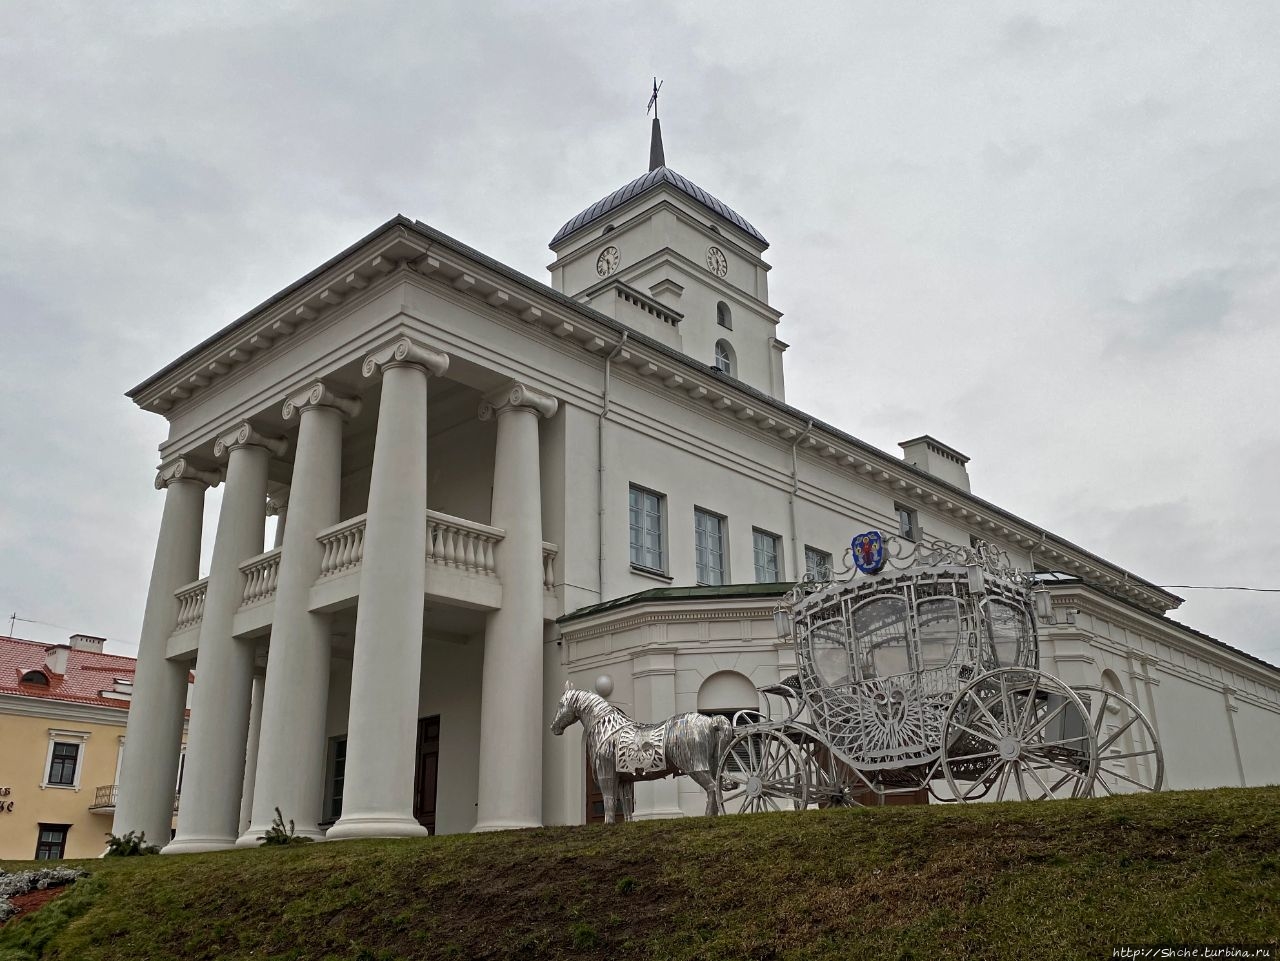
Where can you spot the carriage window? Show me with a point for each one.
(938, 620)
(1006, 632)
(880, 625)
(828, 645)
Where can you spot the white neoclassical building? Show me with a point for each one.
(485, 485)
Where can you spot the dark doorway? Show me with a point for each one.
(595, 799)
(427, 772)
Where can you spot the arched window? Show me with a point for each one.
(724, 316)
(726, 692)
(36, 677)
(724, 357)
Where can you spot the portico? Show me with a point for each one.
(341, 611)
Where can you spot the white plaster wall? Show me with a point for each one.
(1256, 730)
(451, 673)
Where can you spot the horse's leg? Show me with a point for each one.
(628, 791)
(607, 778)
(707, 782)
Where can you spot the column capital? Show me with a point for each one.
(278, 504)
(319, 395)
(243, 435)
(405, 351)
(181, 469)
(518, 397)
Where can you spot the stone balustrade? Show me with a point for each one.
(452, 542)
(455, 542)
(343, 547)
(260, 576)
(549, 552)
(191, 603)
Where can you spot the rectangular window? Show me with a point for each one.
(51, 842)
(908, 525)
(708, 542)
(647, 509)
(765, 548)
(62, 764)
(817, 563)
(339, 769)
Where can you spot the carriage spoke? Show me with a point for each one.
(1044, 721)
(1031, 699)
(981, 780)
(1103, 745)
(970, 757)
(1125, 777)
(1039, 780)
(1004, 782)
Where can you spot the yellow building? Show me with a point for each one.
(63, 710)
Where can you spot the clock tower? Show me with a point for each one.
(668, 259)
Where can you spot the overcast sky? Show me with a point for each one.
(1047, 234)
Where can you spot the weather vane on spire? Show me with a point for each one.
(653, 100)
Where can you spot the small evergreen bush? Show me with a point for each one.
(278, 834)
(129, 845)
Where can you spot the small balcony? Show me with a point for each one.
(104, 799)
(459, 562)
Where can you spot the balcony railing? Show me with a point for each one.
(260, 576)
(191, 603)
(104, 797)
(452, 542)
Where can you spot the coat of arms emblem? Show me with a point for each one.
(868, 552)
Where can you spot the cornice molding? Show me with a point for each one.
(319, 395)
(609, 622)
(406, 249)
(245, 435)
(62, 711)
(181, 469)
(404, 351)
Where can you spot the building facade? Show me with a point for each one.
(63, 712)
(468, 466)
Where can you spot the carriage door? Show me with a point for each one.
(427, 772)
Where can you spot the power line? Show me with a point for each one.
(1221, 587)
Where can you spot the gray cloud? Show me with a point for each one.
(1046, 234)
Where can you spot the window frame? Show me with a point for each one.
(830, 562)
(913, 523)
(661, 514)
(778, 575)
(724, 315)
(76, 739)
(335, 782)
(722, 536)
(61, 844)
(730, 361)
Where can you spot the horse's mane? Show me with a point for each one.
(590, 704)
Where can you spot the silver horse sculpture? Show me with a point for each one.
(623, 751)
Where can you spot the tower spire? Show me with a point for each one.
(656, 157)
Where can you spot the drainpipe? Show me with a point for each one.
(796, 557)
(604, 412)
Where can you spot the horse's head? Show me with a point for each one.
(567, 710)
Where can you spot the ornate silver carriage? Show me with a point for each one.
(919, 674)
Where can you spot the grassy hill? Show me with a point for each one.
(1049, 880)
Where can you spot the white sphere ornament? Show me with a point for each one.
(604, 685)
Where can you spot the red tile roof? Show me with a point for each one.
(87, 674)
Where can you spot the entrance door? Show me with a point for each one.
(427, 772)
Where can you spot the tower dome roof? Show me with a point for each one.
(652, 181)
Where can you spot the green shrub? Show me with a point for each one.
(278, 834)
(129, 845)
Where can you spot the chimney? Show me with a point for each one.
(55, 658)
(87, 642)
(936, 458)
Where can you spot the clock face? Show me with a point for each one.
(717, 262)
(608, 261)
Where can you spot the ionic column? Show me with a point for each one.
(278, 507)
(510, 788)
(209, 816)
(291, 750)
(251, 752)
(149, 770)
(377, 798)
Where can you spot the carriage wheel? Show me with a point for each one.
(761, 770)
(826, 782)
(1019, 732)
(1129, 755)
